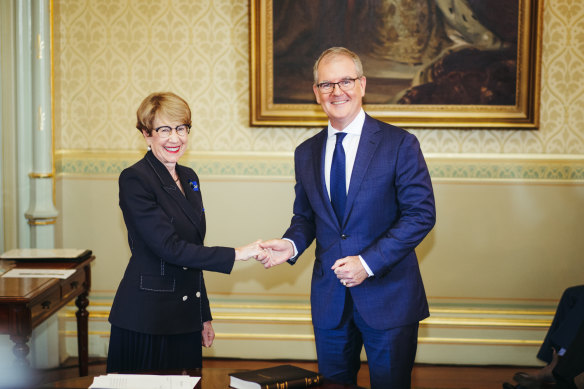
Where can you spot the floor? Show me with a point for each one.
(424, 376)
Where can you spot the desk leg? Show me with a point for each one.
(82, 333)
(20, 349)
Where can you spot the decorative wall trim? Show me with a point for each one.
(41, 175)
(35, 221)
(477, 341)
(296, 337)
(507, 167)
(488, 330)
(433, 320)
(255, 318)
(280, 166)
(225, 165)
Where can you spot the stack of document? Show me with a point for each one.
(47, 255)
(39, 273)
(144, 381)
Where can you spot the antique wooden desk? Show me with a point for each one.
(27, 302)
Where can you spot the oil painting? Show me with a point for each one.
(428, 63)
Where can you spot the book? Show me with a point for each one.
(277, 377)
(46, 255)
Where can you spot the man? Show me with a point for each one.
(366, 284)
(562, 348)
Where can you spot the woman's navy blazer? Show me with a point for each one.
(163, 291)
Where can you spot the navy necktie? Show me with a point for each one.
(338, 186)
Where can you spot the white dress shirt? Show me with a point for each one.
(350, 144)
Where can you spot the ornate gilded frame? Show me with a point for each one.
(524, 114)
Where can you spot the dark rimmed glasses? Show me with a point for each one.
(345, 85)
(181, 130)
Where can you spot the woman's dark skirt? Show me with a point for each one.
(133, 352)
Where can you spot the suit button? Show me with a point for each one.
(185, 298)
(198, 294)
(343, 236)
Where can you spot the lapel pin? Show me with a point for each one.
(194, 185)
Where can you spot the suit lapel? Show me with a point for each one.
(367, 145)
(190, 203)
(318, 156)
(194, 208)
(190, 184)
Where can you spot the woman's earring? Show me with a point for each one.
(148, 148)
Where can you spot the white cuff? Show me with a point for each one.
(367, 269)
(293, 245)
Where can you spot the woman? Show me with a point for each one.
(160, 315)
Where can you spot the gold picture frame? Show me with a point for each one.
(269, 106)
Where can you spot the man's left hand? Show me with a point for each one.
(350, 271)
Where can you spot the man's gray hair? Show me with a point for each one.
(340, 51)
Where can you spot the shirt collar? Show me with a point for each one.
(355, 127)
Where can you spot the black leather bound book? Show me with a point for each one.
(277, 377)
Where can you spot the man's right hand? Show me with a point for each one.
(276, 251)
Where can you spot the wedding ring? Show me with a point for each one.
(344, 282)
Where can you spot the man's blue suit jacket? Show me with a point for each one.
(389, 210)
(163, 291)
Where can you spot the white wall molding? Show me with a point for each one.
(259, 327)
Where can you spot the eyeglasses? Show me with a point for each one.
(345, 85)
(181, 130)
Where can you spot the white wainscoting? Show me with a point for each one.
(476, 332)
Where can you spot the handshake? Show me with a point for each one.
(349, 270)
(269, 253)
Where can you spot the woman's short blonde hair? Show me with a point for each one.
(166, 104)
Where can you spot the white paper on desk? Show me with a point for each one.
(41, 253)
(144, 381)
(39, 273)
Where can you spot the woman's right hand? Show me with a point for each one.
(246, 252)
